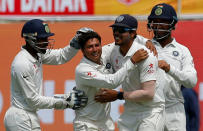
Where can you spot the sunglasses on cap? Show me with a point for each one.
(121, 29)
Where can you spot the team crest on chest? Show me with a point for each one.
(108, 66)
(175, 53)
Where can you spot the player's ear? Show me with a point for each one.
(83, 52)
(133, 33)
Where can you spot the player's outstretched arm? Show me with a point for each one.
(63, 55)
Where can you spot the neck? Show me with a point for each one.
(97, 62)
(125, 47)
(166, 41)
(31, 51)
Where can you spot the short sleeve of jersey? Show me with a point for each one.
(106, 51)
(148, 69)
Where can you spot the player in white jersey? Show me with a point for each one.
(143, 88)
(93, 73)
(27, 78)
(176, 60)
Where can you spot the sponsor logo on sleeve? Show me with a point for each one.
(91, 74)
(151, 69)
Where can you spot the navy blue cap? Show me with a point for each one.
(163, 11)
(37, 27)
(126, 21)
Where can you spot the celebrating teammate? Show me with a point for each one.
(143, 88)
(176, 60)
(26, 78)
(93, 73)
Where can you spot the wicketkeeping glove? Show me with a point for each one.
(75, 99)
(74, 42)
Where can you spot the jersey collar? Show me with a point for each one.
(91, 62)
(173, 43)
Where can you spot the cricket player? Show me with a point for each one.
(93, 73)
(176, 60)
(27, 79)
(143, 88)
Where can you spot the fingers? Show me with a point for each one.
(80, 102)
(161, 63)
(142, 52)
(164, 65)
(154, 52)
(101, 91)
(100, 98)
(151, 47)
(139, 55)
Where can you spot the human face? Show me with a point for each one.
(92, 50)
(161, 28)
(43, 44)
(121, 35)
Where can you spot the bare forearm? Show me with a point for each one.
(138, 96)
(146, 93)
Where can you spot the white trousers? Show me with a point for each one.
(17, 119)
(175, 118)
(145, 121)
(83, 124)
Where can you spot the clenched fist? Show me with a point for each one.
(164, 65)
(106, 95)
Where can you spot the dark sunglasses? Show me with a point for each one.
(121, 29)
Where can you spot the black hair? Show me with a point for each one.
(84, 37)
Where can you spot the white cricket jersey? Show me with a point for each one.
(90, 77)
(27, 78)
(182, 71)
(146, 70)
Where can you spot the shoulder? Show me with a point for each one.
(21, 65)
(140, 46)
(21, 61)
(108, 47)
(182, 47)
(141, 40)
(83, 67)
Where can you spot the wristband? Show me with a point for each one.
(120, 95)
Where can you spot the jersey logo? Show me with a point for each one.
(151, 69)
(90, 74)
(35, 66)
(150, 66)
(175, 53)
(108, 66)
(25, 76)
(117, 62)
